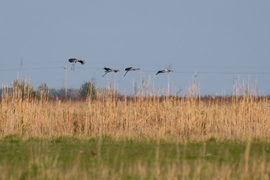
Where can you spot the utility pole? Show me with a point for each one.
(66, 78)
(19, 73)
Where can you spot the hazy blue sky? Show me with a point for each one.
(218, 39)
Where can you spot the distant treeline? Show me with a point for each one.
(71, 92)
(25, 90)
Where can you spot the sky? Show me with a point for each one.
(219, 44)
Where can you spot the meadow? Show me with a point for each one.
(141, 137)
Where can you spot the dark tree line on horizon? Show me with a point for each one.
(23, 89)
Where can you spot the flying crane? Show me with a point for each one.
(74, 61)
(107, 70)
(130, 69)
(167, 70)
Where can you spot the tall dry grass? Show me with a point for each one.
(152, 116)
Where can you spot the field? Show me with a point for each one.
(107, 158)
(113, 137)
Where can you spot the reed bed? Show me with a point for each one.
(140, 137)
(152, 116)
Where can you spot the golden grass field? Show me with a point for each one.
(167, 116)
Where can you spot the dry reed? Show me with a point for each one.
(152, 116)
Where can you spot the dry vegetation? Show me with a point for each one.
(163, 117)
(170, 119)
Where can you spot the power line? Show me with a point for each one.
(147, 65)
(202, 72)
(19, 63)
(215, 72)
(155, 65)
(147, 71)
(37, 68)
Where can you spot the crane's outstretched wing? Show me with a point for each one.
(72, 60)
(107, 69)
(81, 61)
(128, 68)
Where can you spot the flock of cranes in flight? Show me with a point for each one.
(107, 70)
